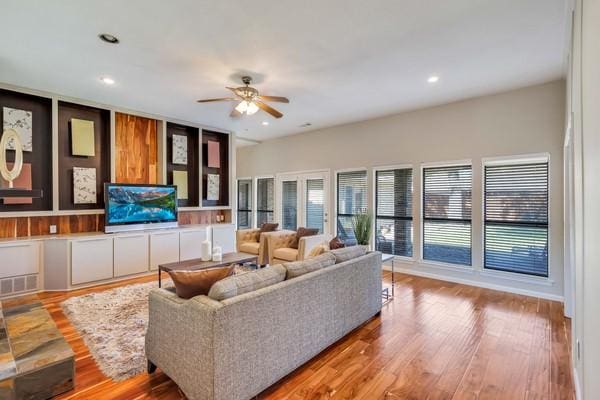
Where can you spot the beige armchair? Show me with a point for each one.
(280, 250)
(253, 242)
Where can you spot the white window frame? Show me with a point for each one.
(373, 190)
(515, 276)
(449, 266)
(335, 195)
(255, 198)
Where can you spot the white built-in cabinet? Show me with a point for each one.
(91, 259)
(131, 254)
(72, 261)
(20, 266)
(164, 248)
(190, 243)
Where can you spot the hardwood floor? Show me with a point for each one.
(435, 340)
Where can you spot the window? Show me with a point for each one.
(265, 200)
(315, 196)
(393, 212)
(351, 200)
(516, 218)
(244, 204)
(289, 205)
(447, 214)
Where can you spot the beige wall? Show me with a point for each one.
(524, 121)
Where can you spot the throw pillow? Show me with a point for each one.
(348, 253)
(268, 227)
(336, 243)
(298, 268)
(302, 232)
(318, 250)
(247, 282)
(189, 284)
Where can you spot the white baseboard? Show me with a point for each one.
(472, 282)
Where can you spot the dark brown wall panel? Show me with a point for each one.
(100, 161)
(41, 156)
(222, 171)
(192, 135)
(136, 149)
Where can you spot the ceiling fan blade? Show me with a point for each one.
(235, 113)
(268, 109)
(277, 99)
(219, 99)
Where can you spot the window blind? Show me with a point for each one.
(265, 200)
(315, 213)
(447, 214)
(516, 218)
(351, 200)
(393, 212)
(244, 205)
(289, 205)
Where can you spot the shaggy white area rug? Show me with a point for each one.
(113, 326)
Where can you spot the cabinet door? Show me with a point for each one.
(19, 258)
(91, 260)
(224, 236)
(131, 254)
(164, 248)
(190, 244)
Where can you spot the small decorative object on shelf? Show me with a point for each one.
(205, 250)
(21, 122)
(217, 253)
(10, 137)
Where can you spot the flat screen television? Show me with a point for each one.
(133, 207)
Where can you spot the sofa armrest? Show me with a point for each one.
(246, 235)
(307, 243)
(175, 326)
(279, 239)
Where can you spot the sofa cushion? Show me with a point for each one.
(348, 253)
(336, 243)
(247, 282)
(298, 268)
(286, 253)
(250, 247)
(269, 227)
(300, 233)
(189, 284)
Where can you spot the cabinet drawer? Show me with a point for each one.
(20, 259)
(190, 244)
(131, 254)
(164, 248)
(91, 260)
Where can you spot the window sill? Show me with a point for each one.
(446, 266)
(513, 276)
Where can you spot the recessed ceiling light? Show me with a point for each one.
(265, 123)
(433, 79)
(108, 38)
(108, 81)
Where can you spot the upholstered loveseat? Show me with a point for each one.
(281, 248)
(233, 349)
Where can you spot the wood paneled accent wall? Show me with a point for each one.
(65, 224)
(136, 149)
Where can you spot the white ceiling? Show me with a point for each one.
(337, 60)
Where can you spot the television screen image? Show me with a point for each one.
(140, 204)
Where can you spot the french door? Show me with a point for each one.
(303, 201)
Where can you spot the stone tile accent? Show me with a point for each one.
(35, 360)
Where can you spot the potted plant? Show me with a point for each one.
(362, 224)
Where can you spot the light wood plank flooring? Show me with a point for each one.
(436, 340)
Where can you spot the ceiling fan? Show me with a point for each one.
(250, 101)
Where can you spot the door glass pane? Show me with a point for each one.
(264, 201)
(289, 205)
(315, 196)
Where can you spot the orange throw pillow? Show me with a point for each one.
(189, 284)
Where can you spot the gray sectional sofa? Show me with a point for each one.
(237, 347)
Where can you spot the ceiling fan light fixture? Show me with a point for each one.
(242, 107)
(252, 108)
